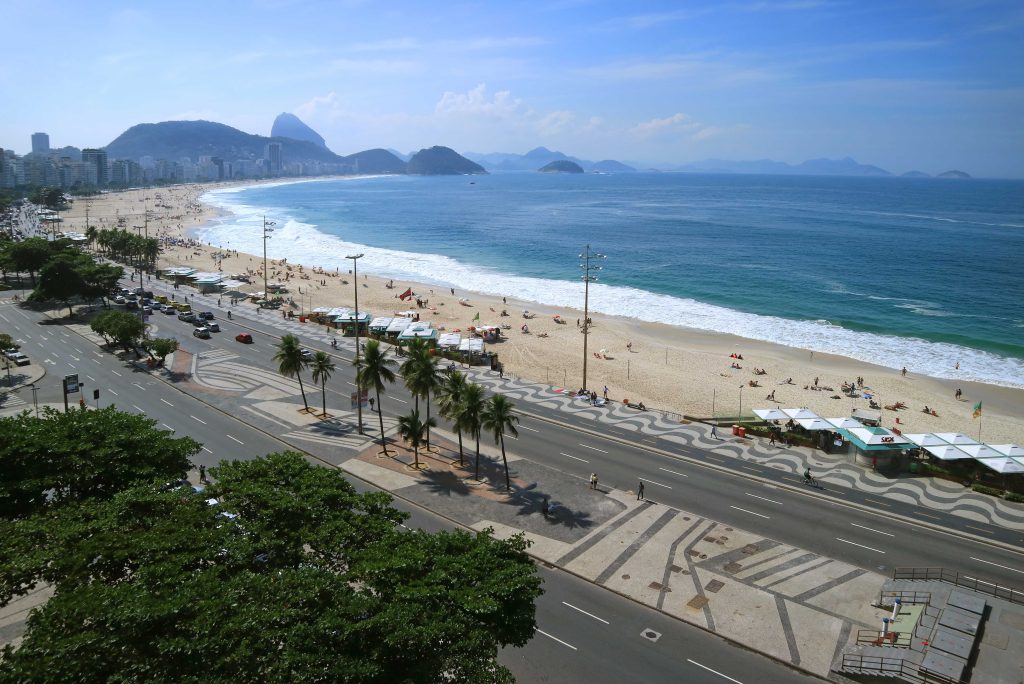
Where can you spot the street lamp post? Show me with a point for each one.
(587, 267)
(268, 228)
(355, 287)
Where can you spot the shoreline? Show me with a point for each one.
(676, 369)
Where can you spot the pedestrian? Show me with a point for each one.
(771, 439)
(371, 404)
(606, 392)
(577, 322)
(904, 371)
(959, 393)
(453, 292)
(957, 366)
(202, 474)
(629, 346)
(593, 480)
(501, 371)
(504, 301)
(714, 431)
(815, 381)
(640, 491)
(771, 396)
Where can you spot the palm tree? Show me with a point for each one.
(421, 376)
(497, 417)
(373, 369)
(449, 400)
(291, 363)
(322, 368)
(411, 429)
(472, 415)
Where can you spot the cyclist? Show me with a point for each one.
(807, 476)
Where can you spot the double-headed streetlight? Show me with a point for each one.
(268, 228)
(359, 386)
(587, 267)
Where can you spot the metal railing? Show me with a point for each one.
(874, 637)
(887, 598)
(961, 580)
(867, 664)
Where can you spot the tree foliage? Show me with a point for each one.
(160, 348)
(119, 328)
(375, 369)
(499, 419)
(292, 576)
(291, 363)
(322, 367)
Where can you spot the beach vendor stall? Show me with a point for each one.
(349, 321)
(419, 331)
(472, 349)
(449, 341)
(876, 447)
(398, 325)
(379, 325)
(207, 282)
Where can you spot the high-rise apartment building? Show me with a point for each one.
(40, 143)
(272, 155)
(98, 158)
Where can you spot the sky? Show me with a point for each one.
(931, 85)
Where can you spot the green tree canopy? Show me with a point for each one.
(61, 280)
(291, 363)
(375, 369)
(160, 348)
(120, 328)
(498, 417)
(29, 256)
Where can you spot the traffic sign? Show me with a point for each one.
(71, 383)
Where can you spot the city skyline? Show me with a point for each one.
(916, 86)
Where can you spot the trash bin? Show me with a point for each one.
(302, 319)
(741, 431)
(736, 430)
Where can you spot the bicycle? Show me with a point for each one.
(811, 481)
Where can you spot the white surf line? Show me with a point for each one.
(198, 419)
(764, 499)
(585, 613)
(564, 643)
(751, 512)
(562, 453)
(723, 676)
(847, 541)
(523, 427)
(167, 402)
(113, 392)
(207, 450)
(139, 386)
(644, 479)
(112, 371)
(673, 472)
(236, 439)
(1004, 567)
(873, 530)
(594, 448)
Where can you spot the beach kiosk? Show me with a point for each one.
(207, 283)
(379, 325)
(348, 323)
(472, 348)
(449, 341)
(397, 326)
(419, 331)
(876, 447)
(179, 275)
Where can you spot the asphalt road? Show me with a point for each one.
(585, 633)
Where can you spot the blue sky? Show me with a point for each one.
(905, 85)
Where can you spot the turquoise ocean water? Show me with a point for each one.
(917, 272)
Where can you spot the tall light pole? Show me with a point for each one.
(268, 228)
(355, 286)
(587, 267)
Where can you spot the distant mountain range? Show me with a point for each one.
(846, 166)
(539, 157)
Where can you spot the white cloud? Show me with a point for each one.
(675, 123)
(376, 67)
(321, 108)
(477, 102)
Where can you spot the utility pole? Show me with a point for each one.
(359, 386)
(587, 267)
(268, 228)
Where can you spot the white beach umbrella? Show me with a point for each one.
(770, 414)
(845, 423)
(1009, 449)
(982, 451)
(955, 438)
(1002, 464)
(947, 452)
(815, 424)
(926, 439)
(800, 413)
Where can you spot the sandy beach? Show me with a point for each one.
(677, 370)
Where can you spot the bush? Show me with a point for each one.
(984, 489)
(1015, 497)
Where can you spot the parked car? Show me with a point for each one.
(132, 304)
(206, 315)
(203, 333)
(244, 338)
(19, 359)
(170, 310)
(189, 317)
(213, 326)
(119, 299)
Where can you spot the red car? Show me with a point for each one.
(244, 338)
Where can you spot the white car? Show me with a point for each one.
(212, 326)
(203, 333)
(18, 358)
(119, 299)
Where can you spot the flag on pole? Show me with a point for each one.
(406, 295)
(977, 410)
(477, 317)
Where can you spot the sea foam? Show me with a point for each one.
(302, 243)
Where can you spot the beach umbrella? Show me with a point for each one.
(982, 451)
(926, 439)
(947, 452)
(1003, 464)
(1009, 450)
(955, 438)
(800, 413)
(815, 424)
(845, 423)
(770, 414)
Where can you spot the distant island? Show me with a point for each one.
(953, 174)
(915, 174)
(442, 161)
(561, 166)
(540, 156)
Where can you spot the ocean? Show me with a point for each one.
(923, 273)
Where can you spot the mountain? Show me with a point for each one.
(376, 161)
(914, 174)
(612, 166)
(194, 139)
(441, 161)
(561, 166)
(838, 167)
(288, 125)
(953, 174)
(401, 155)
(812, 167)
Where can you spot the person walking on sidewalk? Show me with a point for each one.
(593, 480)
(202, 474)
(640, 491)
(771, 439)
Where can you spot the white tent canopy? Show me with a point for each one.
(955, 438)
(845, 423)
(1003, 464)
(982, 451)
(878, 436)
(800, 413)
(1009, 449)
(926, 439)
(815, 424)
(770, 414)
(947, 452)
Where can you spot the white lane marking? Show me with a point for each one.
(755, 496)
(166, 402)
(352, 384)
(5, 318)
(585, 613)
(847, 541)
(95, 361)
(523, 427)
(64, 334)
(723, 676)
(167, 426)
(873, 530)
(114, 372)
(113, 392)
(75, 358)
(562, 453)
(207, 450)
(541, 631)
(201, 421)
(140, 410)
(654, 483)
(90, 377)
(139, 386)
(673, 472)
(78, 350)
(510, 436)
(1004, 567)
(750, 512)
(56, 356)
(401, 400)
(237, 440)
(594, 448)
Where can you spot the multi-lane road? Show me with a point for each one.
(585, 632)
